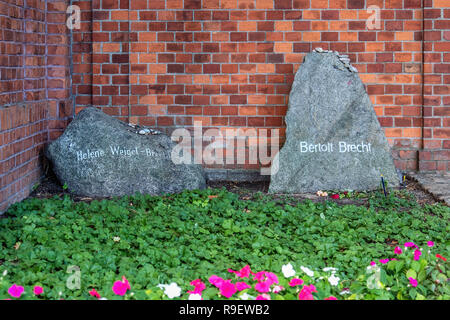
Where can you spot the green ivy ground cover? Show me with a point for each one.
(178, 238)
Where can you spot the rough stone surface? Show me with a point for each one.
(87, 158)
(438, 184)
(328, 104)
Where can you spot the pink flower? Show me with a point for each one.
(15, 291)
(199, 286)
(242, 286)
(216, 281)
(95, 294)
(263, 296)
(331, 298)
(410, 244)
(412, 281)
(263, 286)
(243, 273)
(393, 259)
(384, 261)
(38, 290)
(271, 277)
(295, 282)
(259, 276)
(266, 276)
(430, 244)
(125, 281)
(227, 289)
(417, 254)
(334, 196)
(398, 250)
(372, 263)
(306, 292)
(121, 287)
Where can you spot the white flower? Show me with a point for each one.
(333, 270)
(103, 298)
(309, 272)
(116, 239)
(246, 296)
(171, 290)
(5, 273)
(195, 296)
(333, 280)
(288, 270)
(345, 291)
(277, 289)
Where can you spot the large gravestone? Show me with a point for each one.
(98, 155)
(333, 137)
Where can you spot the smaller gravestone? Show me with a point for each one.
(333, 137)
(98, 155)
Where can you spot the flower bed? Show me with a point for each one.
(193, 246)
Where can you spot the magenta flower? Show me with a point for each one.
(199, 286)
(393, 259)
(331, 298)
(412, 281)
(15, 291)
(263, 296)
(296, 282)
(263, 286)
(38, 290)
(306, 292)
(243, 273)
(227, 289)
(384, 261)
(121, 287)
(95, 294)
(264, 276)
(398, 250)
(417, 254)
(216, 281)
(410, 244)
(272, 277)
(430, 244)
(372, 263)
(242, 286)
(260, 276)
(126, 283)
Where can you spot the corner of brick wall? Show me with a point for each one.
(34, 79)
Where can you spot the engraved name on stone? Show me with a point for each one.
(341, 147)
(114, 151)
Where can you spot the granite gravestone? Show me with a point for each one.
(98, 155)
(333, 137)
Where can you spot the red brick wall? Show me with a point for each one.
(226, 63)
(33, 74)
(230, 63)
